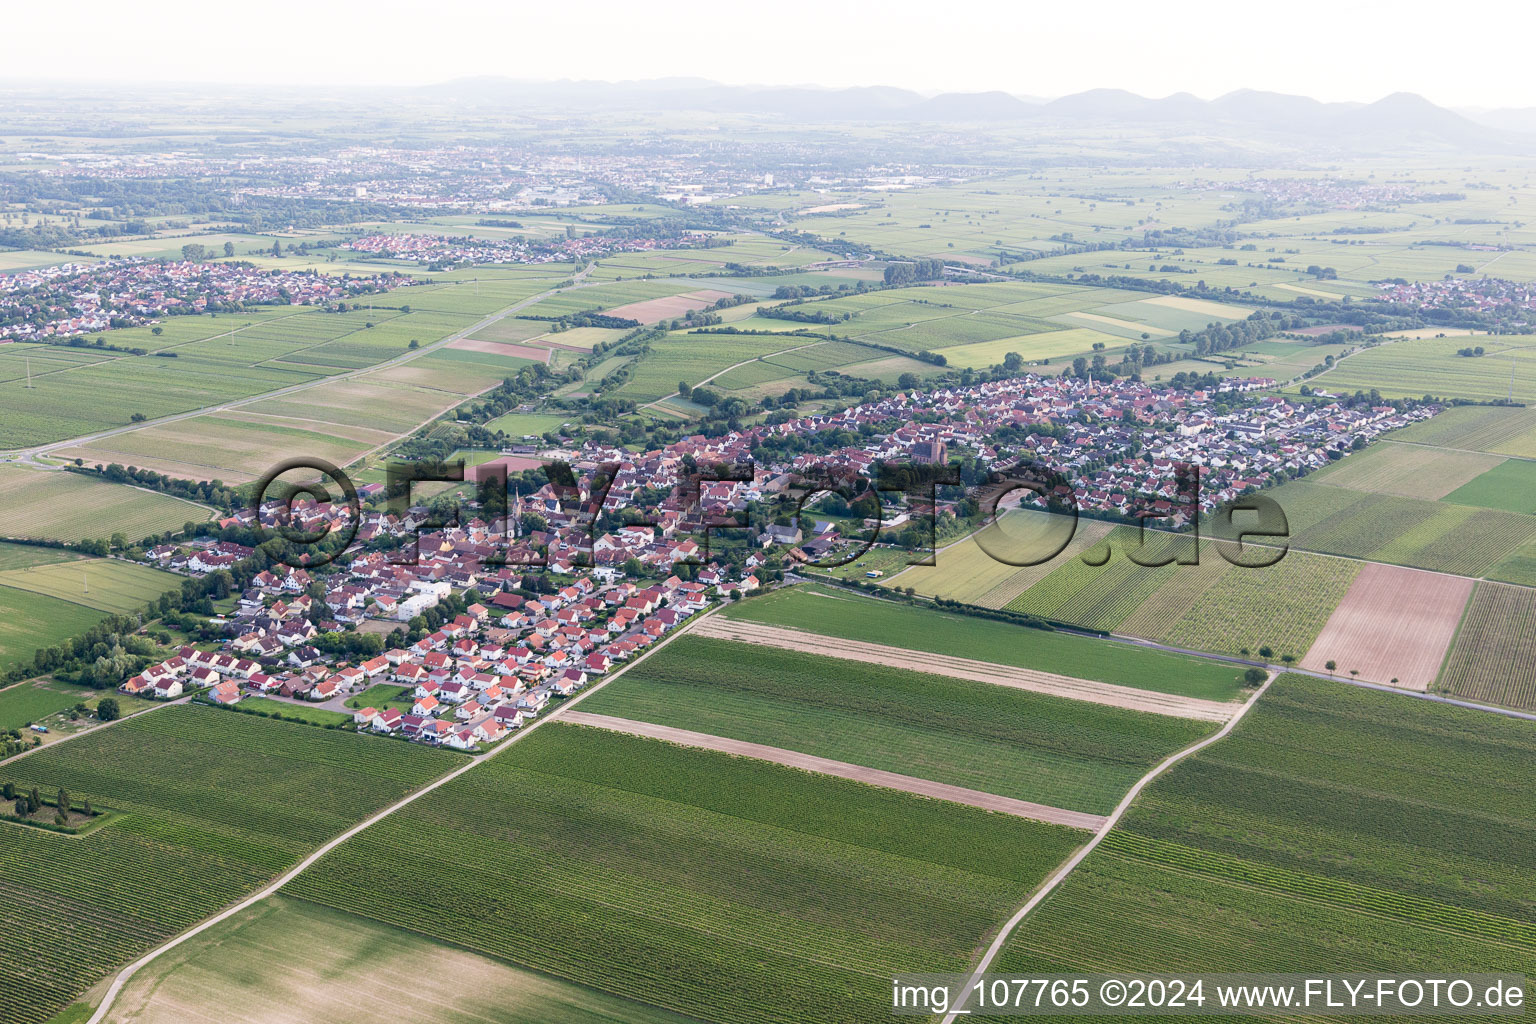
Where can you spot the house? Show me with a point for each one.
(225, 694)
(424, 705)
(168, 688)
(363, 717)
(388, 720)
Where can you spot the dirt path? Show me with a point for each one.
(966, 668)
(842, 770)
(958, 1010)
(564, 709)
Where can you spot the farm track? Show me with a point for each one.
(728, 369)
(29, 455)
(277, 884)
(958, 1010)
(1048, 683)
(842, 770)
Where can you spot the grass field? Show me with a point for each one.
(105, 584)
(1413, 368)
(1500, 431)
(838, 613)
(68, 506)
(301, 712)
(244, 966)
(1493, 657)
(1049, 750)
(25, 703)
(212, 804)
(724, 888)
(1412, 471)
(29, 621)
(1334, 826)
(21, 556)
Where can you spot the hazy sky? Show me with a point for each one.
(1349, 50)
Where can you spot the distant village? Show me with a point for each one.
(443, 250)
(73, 299)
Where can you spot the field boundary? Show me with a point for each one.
(842, 770)
(1077, 858)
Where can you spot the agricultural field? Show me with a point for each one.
(718, 887)
(839, 613)
(966, 571)
(1411, 471)
(105, 584)
(695, 358)
(69, 506)
(1393, 626)
(1493, 429)
(1283, 606)
(1493, 657)
(1102, 596)
(1335, 826)
(218, 802)
(995, 739)
(24, 703)
(29, 621)
(244, 966)
(1430, 366)
(22, 556)
(1510, 486)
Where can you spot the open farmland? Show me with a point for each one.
(218, 802)
(105, 584)
(727, 889)
(1414, 368)
(1478, 428)
(29, 621)
(1509, 485)
(1412, 471)
(966, 571)
(1335, 826)
(1393, 626)
(694, 358)
(245, 967)
(995, 739)
(1282, 606)
(69, 506)
(1101, 596)
(1493, 658)
(838, 613)
(26, 702)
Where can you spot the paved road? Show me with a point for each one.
(958, 1010)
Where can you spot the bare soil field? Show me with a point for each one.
(652, 310)
(840, 769)
(1394, 624)
(967, 668)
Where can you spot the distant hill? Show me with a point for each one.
(1276, 116)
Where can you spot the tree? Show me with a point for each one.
(632, 567)
(1266, 653)
(62, 800)
(8, 791)
(107, 709)
(684, 388)
(157, 331)
(277, 248)
(1012, 361)
(192, 252)
(1331, 666)
(1254, 676)
(229, 249)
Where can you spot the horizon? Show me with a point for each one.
(1324, 52)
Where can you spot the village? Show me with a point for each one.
(542, 604)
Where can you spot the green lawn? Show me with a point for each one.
(728, 889)
(301, 712)
(25, 703)
(840, 613)
(1051, 750)
(383, 695)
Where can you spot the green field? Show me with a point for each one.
(302, 712)
(1511, 486)
(381, 696)
(21, 556)
(839, 613)
(105, 584)
(27, 702)
(1335, 826)
(720, 887)
(996, 739)
(68, 506)
(1493, 658)
(29, 621)
(212, 804)
(242, 967)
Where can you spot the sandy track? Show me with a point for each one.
(966, 668)
(1395, 623)
(841, 769)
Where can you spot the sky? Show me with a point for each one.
(1332, 50)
